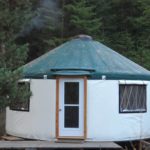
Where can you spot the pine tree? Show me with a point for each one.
(13, 16)
(142, 36)
(81, 18)
(125, 27)
(43, 32)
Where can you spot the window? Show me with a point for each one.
(132, 98)
(71, 105)
(22, 99)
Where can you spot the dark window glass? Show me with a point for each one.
(71, 117)
(71, 93)
(132, 98)
(21, 102)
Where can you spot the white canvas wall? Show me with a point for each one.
(104, 122)
(39, 122)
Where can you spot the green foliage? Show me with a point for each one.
(124, 25)
(21, 101)
(13, 16)
(44, 30)
(82, 18)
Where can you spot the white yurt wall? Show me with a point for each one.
(105, 123)
(39, 122)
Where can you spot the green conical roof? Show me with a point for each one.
(84, 56)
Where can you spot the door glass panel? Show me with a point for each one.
(71, 94)
(71, 117)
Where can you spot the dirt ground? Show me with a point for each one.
(2, 122)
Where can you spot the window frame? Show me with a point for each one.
(132, 84)
(28, 105)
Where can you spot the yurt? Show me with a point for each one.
(83, 90)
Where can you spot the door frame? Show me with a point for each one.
(85, 107)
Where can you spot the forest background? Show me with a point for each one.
(29, 28)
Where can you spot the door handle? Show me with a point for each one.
(60, 109)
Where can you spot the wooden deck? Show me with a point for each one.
(53, 145)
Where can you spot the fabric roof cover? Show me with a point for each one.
(84, 56)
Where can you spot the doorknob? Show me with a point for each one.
(60, 109)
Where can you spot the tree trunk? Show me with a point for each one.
(2, 121)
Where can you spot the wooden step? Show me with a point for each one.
(11, 138)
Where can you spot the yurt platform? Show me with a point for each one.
(56, 145)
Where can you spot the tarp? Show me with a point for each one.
(85, 55)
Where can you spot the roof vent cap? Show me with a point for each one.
(83, 37)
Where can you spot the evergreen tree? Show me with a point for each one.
(13, 16)
(121, 24)
(142, 36)
(125, 27)
(43, 32)
(81, 18)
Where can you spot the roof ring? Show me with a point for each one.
(83, 37)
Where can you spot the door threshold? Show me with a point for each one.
(71, 138)
(69, 141)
